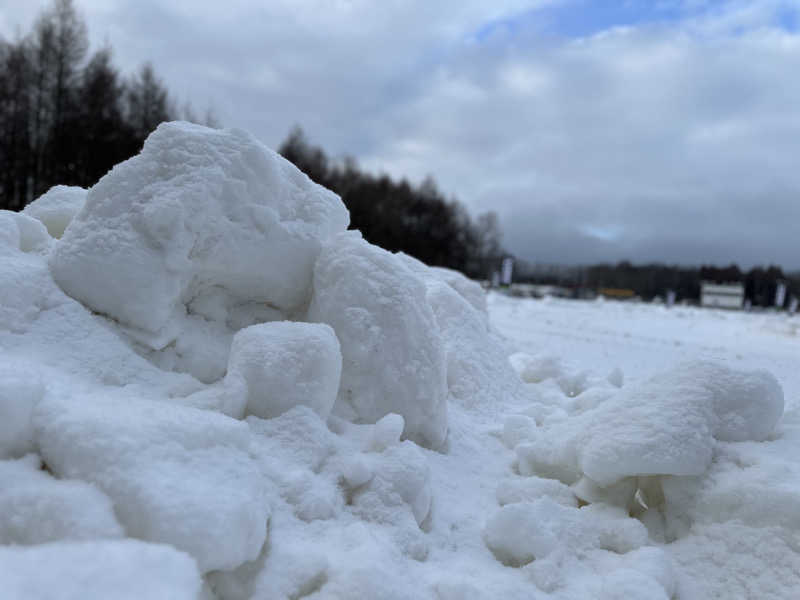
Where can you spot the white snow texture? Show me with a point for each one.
(210, 390)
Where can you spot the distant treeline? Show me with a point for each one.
(66, 117)
(651, 280)
(416, 219)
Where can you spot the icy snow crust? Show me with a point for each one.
(210, 390)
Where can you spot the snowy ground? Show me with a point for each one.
(735, 560)
(209, 389)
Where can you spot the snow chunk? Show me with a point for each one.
(9, 230)
(57, 207)
(36, 508)
(176, 475)
(470, 290)
(522, 532)
(31, 235)
(401, 477)
(285, 364)
(196, 211)
(20, 390)
(478, 372)
(534, 369)
(667, 425)
(120, 569)
(393, 358)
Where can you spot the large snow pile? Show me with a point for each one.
(209, 389)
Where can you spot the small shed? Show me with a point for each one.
(721, 295)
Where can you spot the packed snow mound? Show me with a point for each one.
(285, 364)
(666, 425)
(393, 358)
(57, 207)
(121, 569)
(177, 475)
(199, 212)
(45, 509)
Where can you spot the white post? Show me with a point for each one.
(780, 294)
(508, 266)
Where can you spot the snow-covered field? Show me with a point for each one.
(208, 389)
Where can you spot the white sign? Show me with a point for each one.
(508, 266)
(780, 294)
(495, 279)
(670, 297)
(793, 305)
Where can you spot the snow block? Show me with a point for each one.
(393, 356)
(177, 475)
(285, 364)
(199, 210)
(119, 569)
(57, 207)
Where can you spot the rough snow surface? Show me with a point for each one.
(165, 432)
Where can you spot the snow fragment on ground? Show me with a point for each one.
(176, 475)
(393, 356)
(197, 212)
(285, 364)
(57, 207)
(522, 532)
(120, 569)
(36, 508)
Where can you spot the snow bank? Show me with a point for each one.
(176, 475)
(57, 207)
(285, 365)
(393, 357)
(200, 217)
(121, 569)
(36, 508)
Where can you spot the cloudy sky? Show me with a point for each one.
(597, 130)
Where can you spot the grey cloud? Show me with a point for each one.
(673, 142)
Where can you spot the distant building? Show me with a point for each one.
(617, 293)
(721, 295)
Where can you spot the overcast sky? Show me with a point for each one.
(640, 129)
